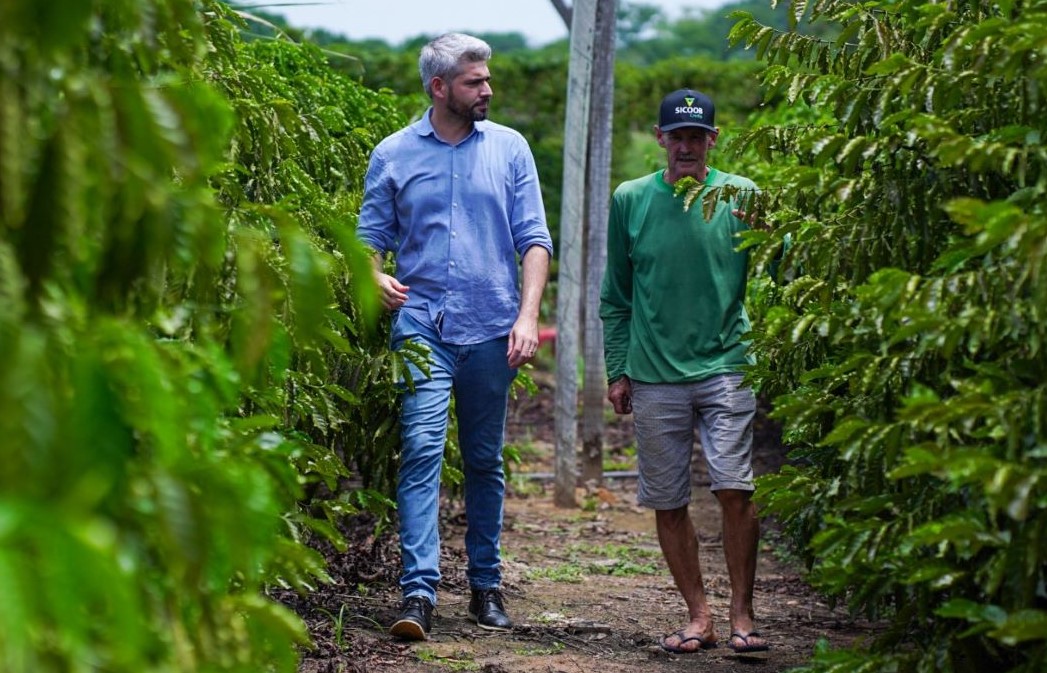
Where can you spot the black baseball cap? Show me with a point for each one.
(687, 107)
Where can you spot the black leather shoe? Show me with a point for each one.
(487, 610)
(415, 619)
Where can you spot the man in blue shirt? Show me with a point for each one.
(456, 198)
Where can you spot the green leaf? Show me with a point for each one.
(1022, 626)
(962, 608)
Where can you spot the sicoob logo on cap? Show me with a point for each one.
(686, 108)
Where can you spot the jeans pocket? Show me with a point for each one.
(401, 329)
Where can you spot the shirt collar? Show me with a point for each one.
(424, 126)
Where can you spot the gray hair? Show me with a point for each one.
(444, 57)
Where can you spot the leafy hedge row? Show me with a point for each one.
(908, 356)
(183, 333)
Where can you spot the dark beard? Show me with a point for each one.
(468, 113)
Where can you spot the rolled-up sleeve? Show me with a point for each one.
(527, 217)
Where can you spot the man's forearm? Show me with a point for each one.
(535, 265)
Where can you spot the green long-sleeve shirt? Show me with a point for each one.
(673, 291)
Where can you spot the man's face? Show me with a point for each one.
(686, 150)
(469, 93)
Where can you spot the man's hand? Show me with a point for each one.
(523, 342)
(620, 394)
(394, 294)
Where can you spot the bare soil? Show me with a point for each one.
(587, 587)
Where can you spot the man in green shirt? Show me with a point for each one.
(673, 314)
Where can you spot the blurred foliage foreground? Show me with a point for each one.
(182, 334)
(186, 351)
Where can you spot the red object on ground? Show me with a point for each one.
(546, 335)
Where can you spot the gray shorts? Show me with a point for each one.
(665, 415)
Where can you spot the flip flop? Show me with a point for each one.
(678, 649)
(746, 646)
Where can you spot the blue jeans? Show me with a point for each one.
(479, 375)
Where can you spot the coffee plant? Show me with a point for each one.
(907, 355)
(187, 334)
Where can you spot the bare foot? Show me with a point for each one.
(747, 642)
(689, 639)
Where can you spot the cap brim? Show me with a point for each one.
(680, 125)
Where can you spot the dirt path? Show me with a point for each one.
(587, 588)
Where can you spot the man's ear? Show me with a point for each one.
(438, 87)
(659, 135)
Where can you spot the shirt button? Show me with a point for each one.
(454, 205)
(452, 263)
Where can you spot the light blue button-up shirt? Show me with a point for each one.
(457, 217)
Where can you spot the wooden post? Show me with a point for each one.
(597, 197)
(569, 275)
